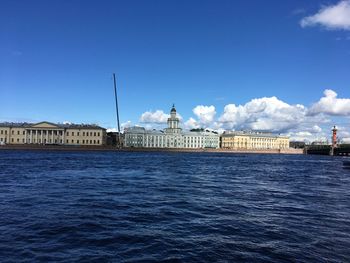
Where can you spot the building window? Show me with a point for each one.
(12, 139)
(2, 132)
(72, 141)
(17, 140)
(77, 141)
(90, 133)
(98, 134)
(67, 141)
(77, 133)
(12, 132)
(94, 133)
(94, 142)
(72, 133)
(17, 132)
(83, 141)
(83, 133)
(90, 141)
(24, 132)
(67, 133)
(98, 141)
(5, 132)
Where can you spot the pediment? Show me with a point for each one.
(44, 124)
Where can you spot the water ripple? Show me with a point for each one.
(173, 207)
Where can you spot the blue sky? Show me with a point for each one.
(57, 60)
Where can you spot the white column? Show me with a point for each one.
(52, 136)
(41, 136)
(31, 136)
(37, 137)
(25, 136)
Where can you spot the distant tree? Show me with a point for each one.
(197, 130)
(202, 130)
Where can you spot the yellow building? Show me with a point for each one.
(47, 133)
(253, 140)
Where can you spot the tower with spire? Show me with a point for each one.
(173, 122)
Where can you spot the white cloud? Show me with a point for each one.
(331, 105)
(154, 117)
(125, 125)
(205, 114)
(267, 114)
(346, 140)
(191, 124)
(316, 128)
(263, 114)
(331, 17)
(307, 137)
(112, 130)
(343, 134)
(122, 127)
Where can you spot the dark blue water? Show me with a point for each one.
(172, 207)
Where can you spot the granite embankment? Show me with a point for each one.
(113, 148)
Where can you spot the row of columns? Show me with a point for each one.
(30, 134)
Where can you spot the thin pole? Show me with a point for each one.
(116, 108)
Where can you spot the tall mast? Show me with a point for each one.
(116, 108)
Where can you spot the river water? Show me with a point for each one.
(173, 207)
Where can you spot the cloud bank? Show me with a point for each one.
(265, 114)
(205, 114)
(333, 17)
(268, 114)
(331, 105)
(154, 117)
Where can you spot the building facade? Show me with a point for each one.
(253, 140)
(47, 133)
(171, 137)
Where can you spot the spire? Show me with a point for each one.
(173, 108)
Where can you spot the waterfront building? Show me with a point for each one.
(113, 139)
(171, 137)
(46, 133)
(253, 140)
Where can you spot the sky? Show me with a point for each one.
(280, 66)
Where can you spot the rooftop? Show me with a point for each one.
(59, 125)
(251, 134)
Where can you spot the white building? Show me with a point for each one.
(171, 137)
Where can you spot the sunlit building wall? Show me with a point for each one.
(253, 140)
(46, 133)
